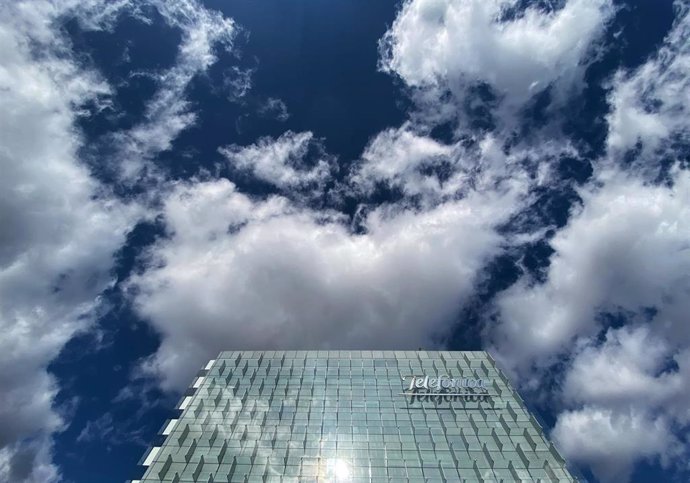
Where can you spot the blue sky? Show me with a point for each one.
(181, 177)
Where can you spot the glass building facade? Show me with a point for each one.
(352, 416)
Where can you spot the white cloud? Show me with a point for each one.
(625, 252)
(237, 271)
(238, 82)
(268, 273)
(652, 103)
(60, 230)
(169, 112)
(627, 249)
(611, 442)
(274, 108)
(614, 374)
(635, 368)
(435, 172)
(396, 156)
(281, 161)
(444, 45)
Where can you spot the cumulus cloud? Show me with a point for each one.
(610, 442)
(625, 250)
(432, 172)
(622, 259)
(396, 156)
(448, 46)
(264, 273)
(60, 227)
(634, 368)
(271, 273)
(613, 373)
(60, 230)
(282, 161)
(267, 274)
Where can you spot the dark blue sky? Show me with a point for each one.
(320, 60)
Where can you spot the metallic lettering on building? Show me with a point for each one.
(445, 388)
(445, 382)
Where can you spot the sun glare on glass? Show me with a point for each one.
(338, 470)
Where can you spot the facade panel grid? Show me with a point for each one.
(317, 416)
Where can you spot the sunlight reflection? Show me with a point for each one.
(337, 470)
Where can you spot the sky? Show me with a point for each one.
(180, 177)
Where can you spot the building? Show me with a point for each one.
(357, 416)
